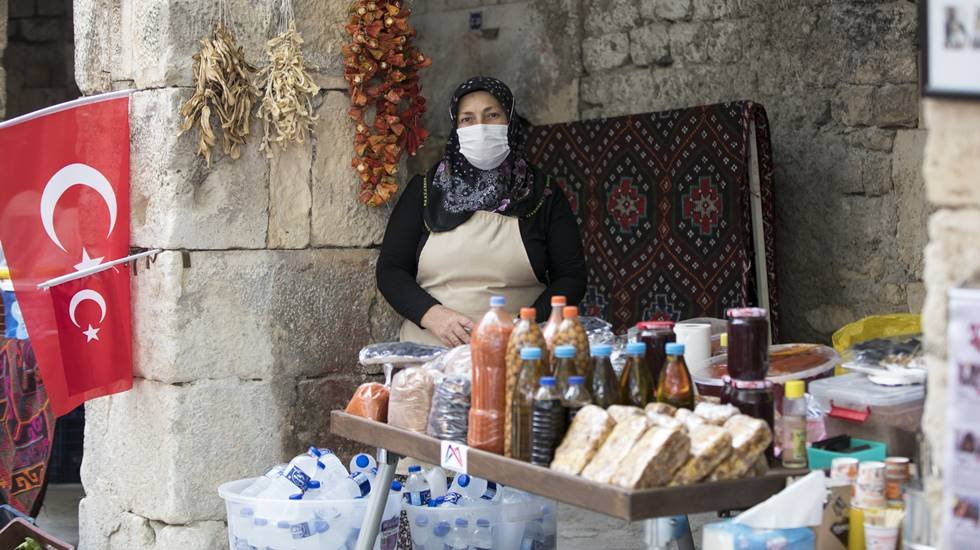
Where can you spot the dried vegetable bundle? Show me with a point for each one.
(222, 86)
(286, 109)
(381, 68)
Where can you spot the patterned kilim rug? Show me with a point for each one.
(662, 201)
(28, 428)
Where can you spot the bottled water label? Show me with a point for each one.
(300, 530)
(491, 491)
(420, 498)
(298, 478)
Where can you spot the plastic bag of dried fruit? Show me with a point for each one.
(880, 342)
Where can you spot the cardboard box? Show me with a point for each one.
(19, 529)
(833, 531)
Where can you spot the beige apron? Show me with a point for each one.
(464, 267)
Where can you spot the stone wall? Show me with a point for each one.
(39, 56)
(952, 162)
(839, 82)
(247, 326)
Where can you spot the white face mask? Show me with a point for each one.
(484, 145)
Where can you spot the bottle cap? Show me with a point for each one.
(321, 526)
(601, 350)
(528, 313)
(463, 480)
(576, 380)
(261, 521)
(315, 452)
(673, 348)
(569, 312)
(530, 353)
(497, 301)
(442, 529)
(422, 521)
(747, 313)
(724, 340)
(297, 496)
(636, 348)
(283, 525)
(362, 460)
(795, 389)
(565, 352)
(396, 486)
(650, 325)
(547, 381)
(312, 484)
(247, 512)
(483, 523)
(415, 468)
(558, 301)
(461, 522)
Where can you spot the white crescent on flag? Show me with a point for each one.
(80, 297)
(61, 181)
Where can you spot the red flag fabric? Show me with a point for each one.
(64, 207)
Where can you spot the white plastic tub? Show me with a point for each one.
(301, 524)
(530, 523)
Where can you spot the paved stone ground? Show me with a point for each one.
(59, 514)
(580, 529)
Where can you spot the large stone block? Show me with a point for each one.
(951, 260)
(98, 30)
(650, 45)
(897, 105)
(338, 218)
(256, 314)
(177, 201)
(714, 9)
(697, 43)
(606, 16)
(952, 152)
(673, 10)
(854, 105)
(290, 196)
(607, 51)
(107, 526)
(913, 209)
(310, 420)
(161, 450)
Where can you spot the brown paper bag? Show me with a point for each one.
(833, 531)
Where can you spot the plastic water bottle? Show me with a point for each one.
(294, 479)
(417, 491)
(261, 533)
(475, 488)
(333, 471)
(439, 540)
(459, 538)
(354, 486)
(262, 483)
(241, 526)
(391, 517)
(482, 539)
(532, 536)
(436, 477)
(421, 533)
(363, 463)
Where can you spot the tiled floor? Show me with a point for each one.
(59, 513)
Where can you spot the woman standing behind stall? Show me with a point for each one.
(481, 222)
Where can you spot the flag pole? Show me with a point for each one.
(94, 269)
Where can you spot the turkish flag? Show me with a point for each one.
(64, 207)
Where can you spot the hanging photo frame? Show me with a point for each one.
(950, 63)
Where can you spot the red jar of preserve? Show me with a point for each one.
(656, 335)
(754, 398)
(748, 343)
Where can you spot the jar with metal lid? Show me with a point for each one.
(754, 398)
(748, 343)
(656, 335)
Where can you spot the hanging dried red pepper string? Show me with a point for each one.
(381, 68)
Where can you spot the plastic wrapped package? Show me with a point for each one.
(665, 421)
(370, 400)
(454, 361)
(654, 459)
(710, 445)
(714, 413)
(448, 417)
(690, 420)
(597, 330)
(588, 432)
(612, 452)
(398, 353)
(750, 436)
(660, 408)
(411, 398)
(622, 412)
(732, 467)
(489, 381)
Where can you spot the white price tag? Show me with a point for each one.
(454, 456)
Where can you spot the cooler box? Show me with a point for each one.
(860, 408)
(302, 524)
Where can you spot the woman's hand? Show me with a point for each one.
(452, 327)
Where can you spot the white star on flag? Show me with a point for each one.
(88, 262)
(92, 333)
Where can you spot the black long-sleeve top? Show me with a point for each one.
(551, 240)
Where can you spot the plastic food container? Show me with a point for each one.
(862, 409)
(820, 459)
(787, 362)
(530, 522)
(302, 524)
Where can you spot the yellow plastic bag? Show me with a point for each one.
(875, 326)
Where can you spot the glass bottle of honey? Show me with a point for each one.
(675, 387)
(635, 384)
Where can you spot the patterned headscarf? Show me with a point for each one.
(464, 187)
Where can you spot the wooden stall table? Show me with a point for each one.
(626, 504)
